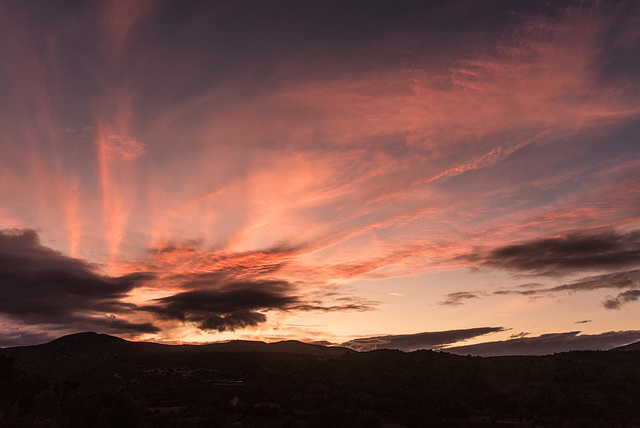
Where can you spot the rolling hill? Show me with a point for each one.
(90, 379)
(630, 347)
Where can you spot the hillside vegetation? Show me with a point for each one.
(102, 381)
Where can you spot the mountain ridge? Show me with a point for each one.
(92, 343)
(175, 385)
(79, 354)
(635, 346)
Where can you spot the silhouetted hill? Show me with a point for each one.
(100, 380)
(286, 346)
(102, 346)
(80, 347)
(80, 352)
(296, 347)
(630, 347)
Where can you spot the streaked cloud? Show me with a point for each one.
(621, 299)
(616, 280)
(578, 251)
(412, 342)
(521, 334)
(124, 148)
(458, 298)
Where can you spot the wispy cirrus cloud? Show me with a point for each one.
(124, 148)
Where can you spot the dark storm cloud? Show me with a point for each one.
(232, 321)
(239, 296)
(118, 325)
(562, 255)
(622, 298)
(573, 252)
(41, 286)
(411, 342)
(238, 305)
(550, 343)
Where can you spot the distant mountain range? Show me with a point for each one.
(546, 344)
(630, 347)
(79, 351)
(105, 346)
(99, 347)
(90, 379)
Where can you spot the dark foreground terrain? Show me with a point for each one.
(93, 380)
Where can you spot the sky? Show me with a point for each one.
(441, 174)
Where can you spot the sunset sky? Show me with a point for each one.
(369, 173)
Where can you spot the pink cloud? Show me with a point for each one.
(119, 147)
(312, 169)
